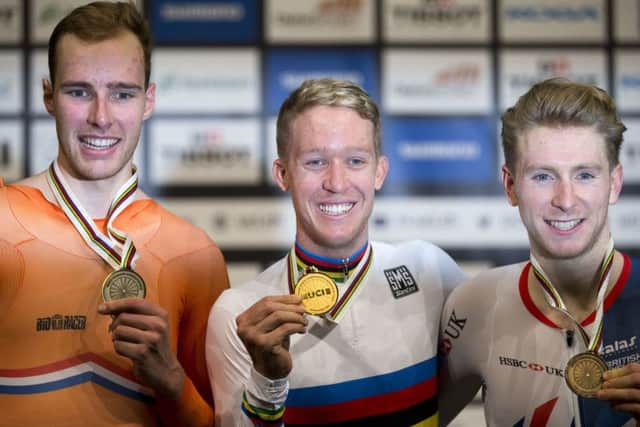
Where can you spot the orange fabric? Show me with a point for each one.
(46, 269)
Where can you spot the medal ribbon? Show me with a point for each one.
(555, 300)
(353, 283)
(116, 248)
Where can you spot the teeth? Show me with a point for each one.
(336, 209)
(564, 225)
(100, 142)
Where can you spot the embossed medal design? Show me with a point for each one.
(584, 373)
(318, 291)
(123, 283)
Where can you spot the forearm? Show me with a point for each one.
(189, 410)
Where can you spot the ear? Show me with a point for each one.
(280, 174)
(47, 96)
(382, 168)
(149, 101)
(617, 178)
(508, 183)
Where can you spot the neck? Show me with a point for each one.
(325, 263)
(577, 280)
(96, 196)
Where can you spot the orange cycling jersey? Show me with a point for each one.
(58, 366)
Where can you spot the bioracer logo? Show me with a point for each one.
(401, 281)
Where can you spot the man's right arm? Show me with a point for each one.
(248, 359)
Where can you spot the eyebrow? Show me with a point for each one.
(115, 85)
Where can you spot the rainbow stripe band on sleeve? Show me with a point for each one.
(260, 416)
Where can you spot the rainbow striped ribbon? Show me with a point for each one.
(354, 282)
(555, 300)
(116, 248)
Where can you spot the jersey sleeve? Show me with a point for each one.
(198, 278)
(462, 332)
(242, 396)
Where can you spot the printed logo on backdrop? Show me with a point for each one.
(45, 14)
(11, 21)
(436, 20)
(242, 223)
(448, 150)
(577, 21)
(206, 80)
(11, 72)
(205, 152)
(519, 69)
(433, 81)
(627, 80)
(214, 21)
(11, 150)
(626, 21)
(309, 21)
(286, 69)
(449, 221)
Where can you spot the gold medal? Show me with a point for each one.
(123, 283)
(318, 291)
(584, 373)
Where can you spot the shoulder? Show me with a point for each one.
(485, 288)
(174, 236)
(271, 281)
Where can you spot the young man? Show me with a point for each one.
(73, 352)
(365, 352)
(540, 336)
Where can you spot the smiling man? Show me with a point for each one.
(342, 330)
(553, 340)
(78, 237)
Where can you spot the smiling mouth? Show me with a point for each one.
(337, 208)
(99, 143)
(564, 225)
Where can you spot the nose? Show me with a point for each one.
(335, 179)
(564, 196)
(100, 113)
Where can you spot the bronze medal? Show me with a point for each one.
(318, 291)
(584, 373)
(123, 283)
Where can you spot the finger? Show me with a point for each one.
(139, 321)
(622, 395)
(620, 372)
(270, 323)
(136, 336)
(277, 338)
(628, 407)
(137, 352)
(264, 308)
(131, 305)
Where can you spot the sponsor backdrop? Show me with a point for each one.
(441, 70)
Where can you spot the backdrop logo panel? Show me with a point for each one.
(205, 151)
(11, 150)
(205, 21)
(627, 80)
(244, 223)
(481, 222)
(435, 20)
(432, 81)
(626, 20)
(207, 80)
(319, 21)
(287, 68)
(11, 75)
(434, 150)
(630, 151)
(520, 69)
(39, 70)
(576, 21)
(11, 21)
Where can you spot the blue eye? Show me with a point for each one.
(77, 93)
(541, 177)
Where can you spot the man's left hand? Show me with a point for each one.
(622, 389)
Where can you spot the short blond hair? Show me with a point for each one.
(328, 92)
